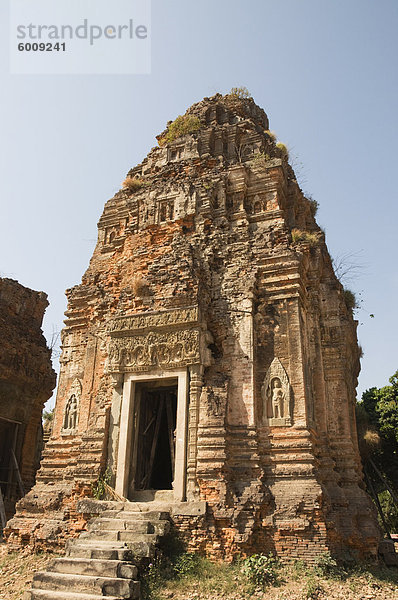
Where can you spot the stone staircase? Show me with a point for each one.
(105, 560)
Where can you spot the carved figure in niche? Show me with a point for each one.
(70, 418)
(257, 207)
(71, 414)
(277, 396)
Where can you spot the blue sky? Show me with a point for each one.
(324, 71)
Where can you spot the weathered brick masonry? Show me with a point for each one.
(26, 382)
(197, 290)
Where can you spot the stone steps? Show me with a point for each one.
(103, 561)
(111, 524)
(158, 526)
(119, 536)
(151, 515)
(99, 550)
(95, 549)
(87, 584)
(51, 595)
(103, 568)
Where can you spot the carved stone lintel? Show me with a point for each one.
(277, 396)
(154, 320)
(168, 339)
(156, 349)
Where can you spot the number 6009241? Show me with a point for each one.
(42, 47)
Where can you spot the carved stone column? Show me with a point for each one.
(114, 422)
(195, 389)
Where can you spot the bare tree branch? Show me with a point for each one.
(347, 266)
(55, 343)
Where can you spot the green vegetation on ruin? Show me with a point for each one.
(183, 125)
(283, 148)
(241, 93)
(300, 236)
(132, 184)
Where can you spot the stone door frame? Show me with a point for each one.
(125, 447)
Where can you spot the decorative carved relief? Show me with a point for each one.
(276, 395)
(213, 403)
(167, 339)
(154, 320)
(141, 352)
(71, 412)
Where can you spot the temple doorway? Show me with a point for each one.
(156, 434)
(152, 440)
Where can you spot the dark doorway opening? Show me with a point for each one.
(7, 444)
(156, 437)
(11, 488)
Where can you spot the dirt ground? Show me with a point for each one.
(16, 571)
(362, 587)
(17, 568)
(323, 590)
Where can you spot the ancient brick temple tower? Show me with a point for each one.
(209, 351)
(27, 380)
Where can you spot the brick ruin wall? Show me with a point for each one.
(27, 380)
(210, 225)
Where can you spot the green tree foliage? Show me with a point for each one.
(48, 415)
(381, 405)
(389, 509)
(377, 420)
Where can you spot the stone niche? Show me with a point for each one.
(71, 413)
(228, 375)
(277, 396)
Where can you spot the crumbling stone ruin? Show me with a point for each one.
(27, 380)
(209, 353)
